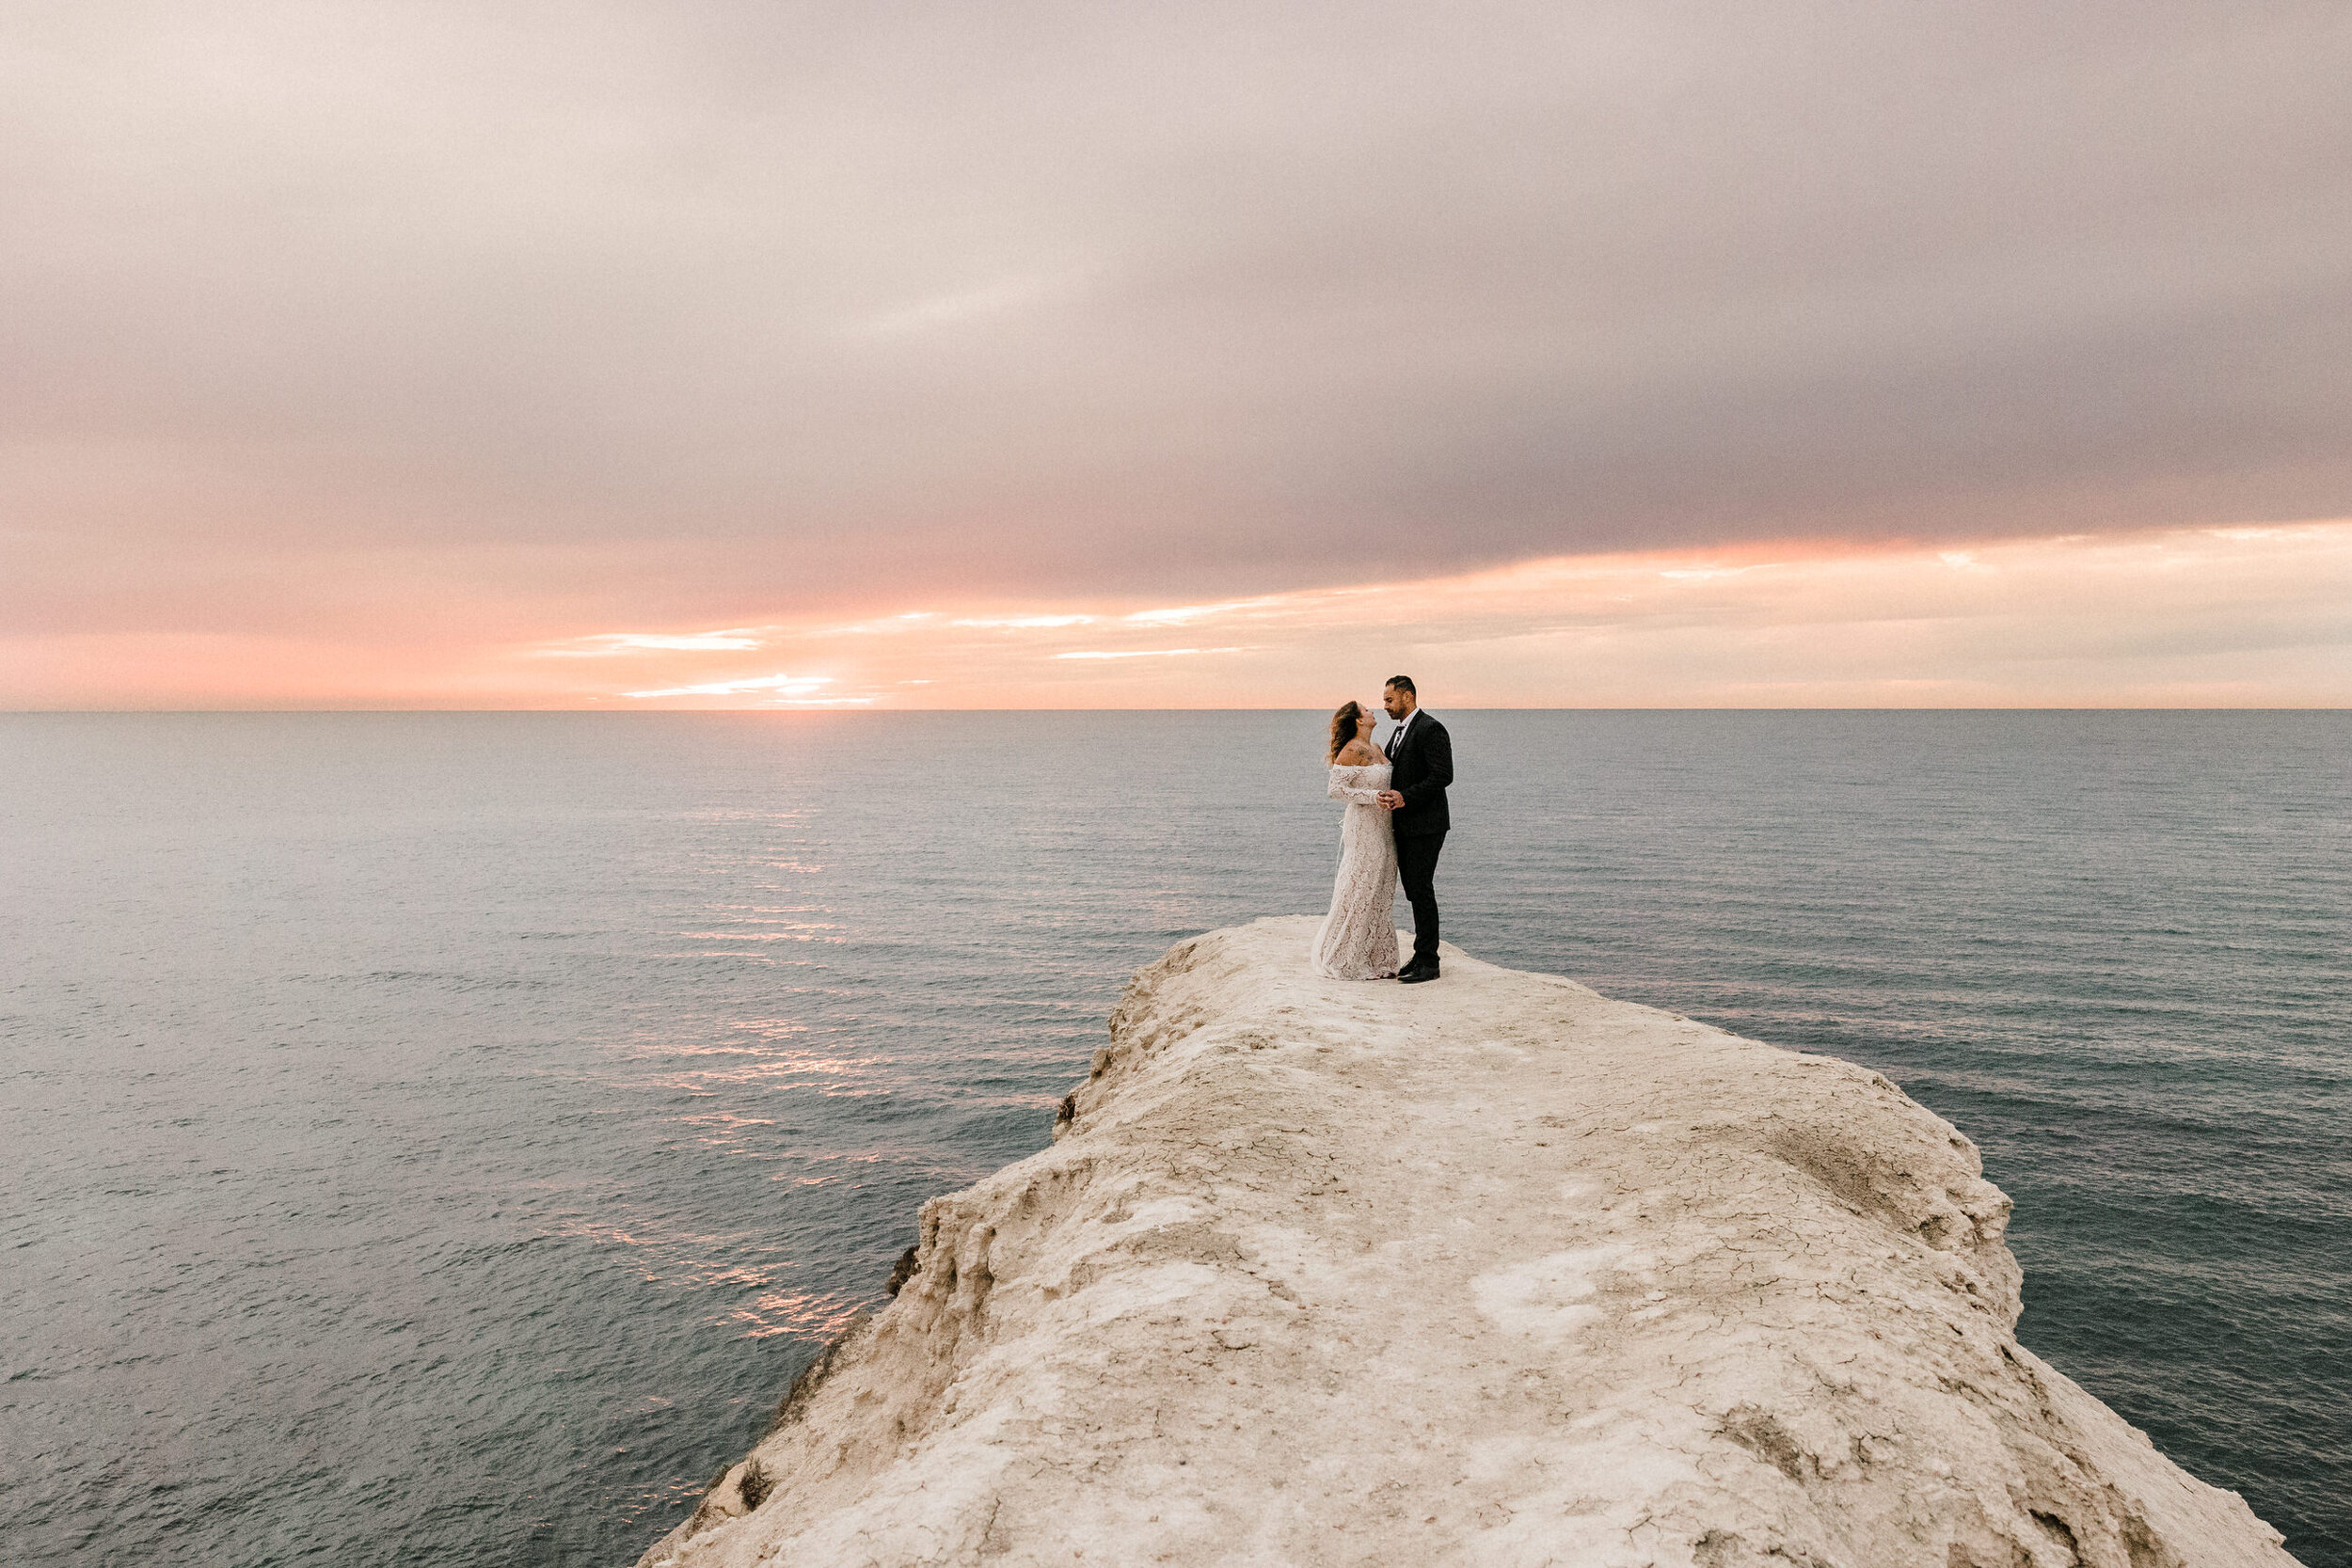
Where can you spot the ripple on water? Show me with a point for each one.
(439, 1138)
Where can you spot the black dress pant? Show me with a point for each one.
(1417, 868)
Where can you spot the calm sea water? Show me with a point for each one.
(436, 1139)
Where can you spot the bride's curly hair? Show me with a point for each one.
(1347, 724)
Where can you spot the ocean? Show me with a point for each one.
(437, 1138)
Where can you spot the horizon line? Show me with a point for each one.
(884, 712)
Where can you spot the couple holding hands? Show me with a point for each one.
(1394, 826)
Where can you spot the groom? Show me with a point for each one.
(1421, 758)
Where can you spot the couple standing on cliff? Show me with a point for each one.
(1394, 827)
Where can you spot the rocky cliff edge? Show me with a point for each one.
(1493, 1272)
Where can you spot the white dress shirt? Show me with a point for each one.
(1396, 737)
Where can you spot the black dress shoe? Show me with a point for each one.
(1415, 973)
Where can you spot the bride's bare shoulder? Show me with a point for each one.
(1355, 754)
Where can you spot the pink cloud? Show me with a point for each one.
(2239, 616)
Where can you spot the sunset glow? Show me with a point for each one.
(2183, 617)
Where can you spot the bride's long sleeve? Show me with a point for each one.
(1339, 791)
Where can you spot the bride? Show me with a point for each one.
(1358, 937)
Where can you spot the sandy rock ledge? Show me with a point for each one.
(1490, 1272)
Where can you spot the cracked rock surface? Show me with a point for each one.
(1494, 1271)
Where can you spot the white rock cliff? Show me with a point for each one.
(1494, 1272)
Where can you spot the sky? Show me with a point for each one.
(1004, 355)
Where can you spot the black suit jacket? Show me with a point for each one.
(1420, 770)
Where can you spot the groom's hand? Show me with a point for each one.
(1392, 800)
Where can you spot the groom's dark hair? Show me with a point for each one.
(1403, 684)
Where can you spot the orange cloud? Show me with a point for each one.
(2243, 616)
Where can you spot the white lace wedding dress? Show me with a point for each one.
(1358, 937)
